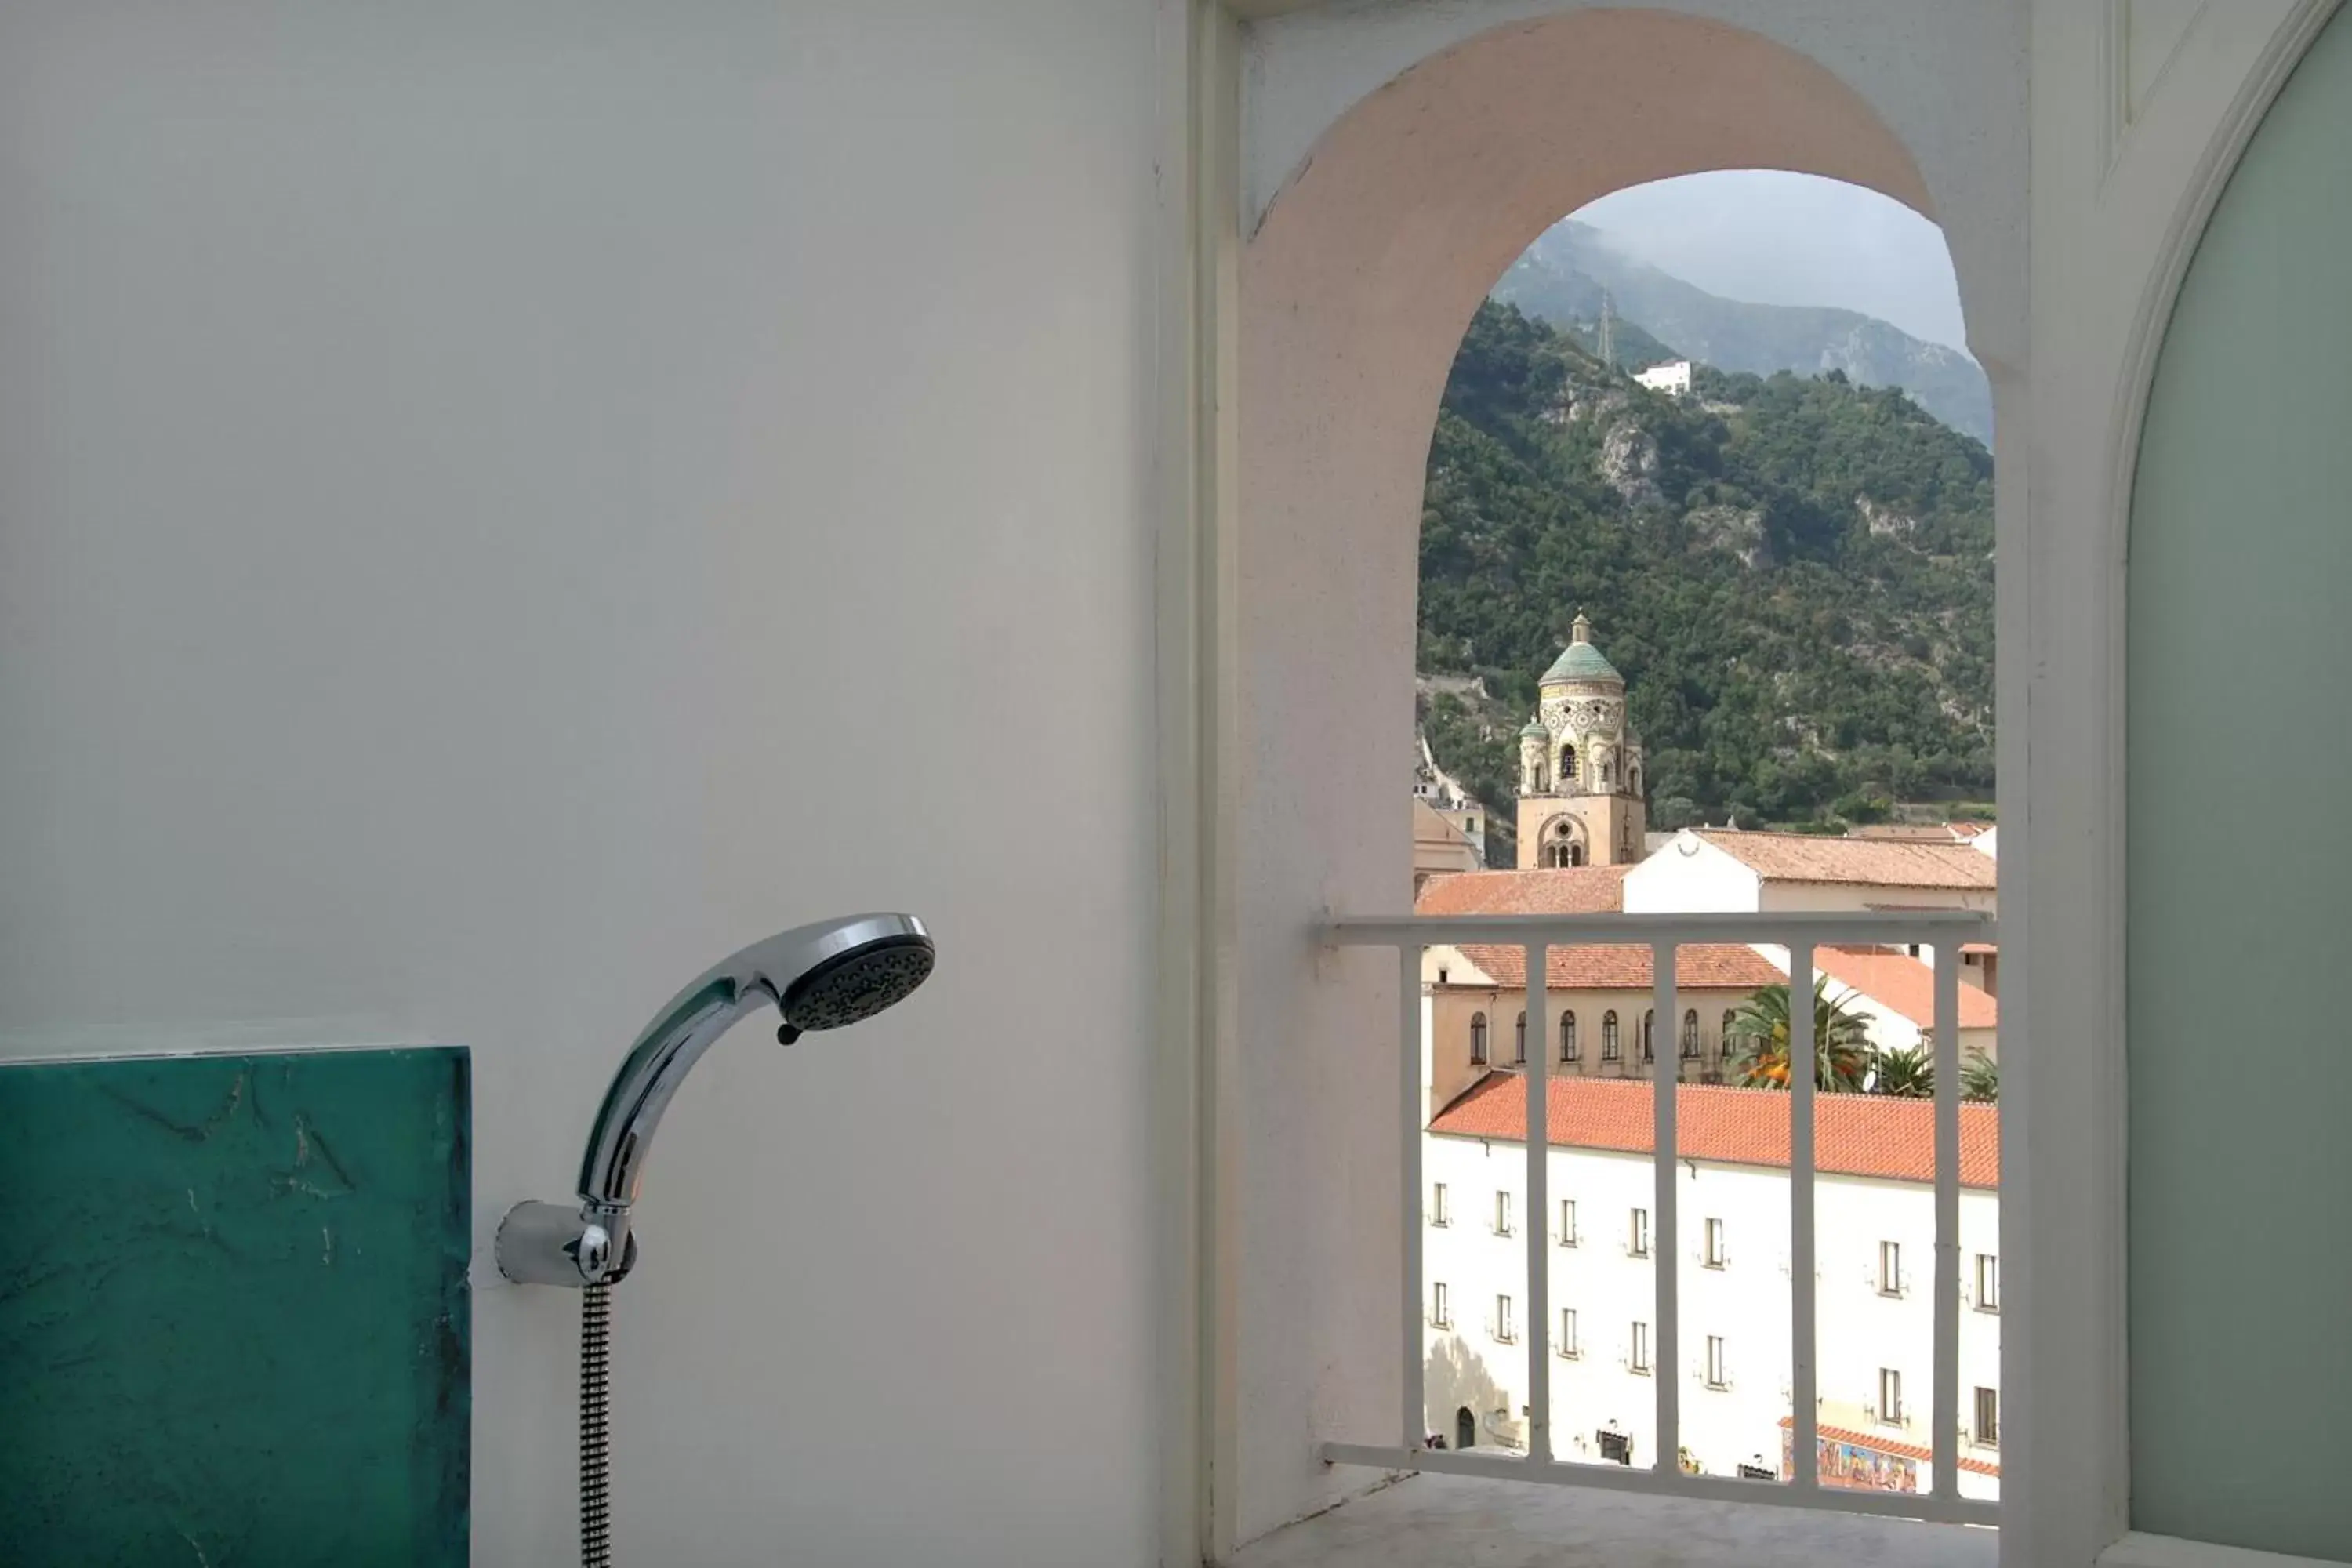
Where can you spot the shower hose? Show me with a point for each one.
(595, 1426)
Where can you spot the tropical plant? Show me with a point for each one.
(1908, 1073)
(1980, 1076)
(1761, 1033)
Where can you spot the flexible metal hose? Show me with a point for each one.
(595, 1426)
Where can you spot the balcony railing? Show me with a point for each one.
(1800, 934)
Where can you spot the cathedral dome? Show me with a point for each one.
(1580, 660)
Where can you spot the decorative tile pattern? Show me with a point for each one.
(233, 1309)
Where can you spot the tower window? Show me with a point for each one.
(1610, 1051)
(1477, 1039)
(1567, 767)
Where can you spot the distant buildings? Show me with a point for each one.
(1675, 379)
(1584, 849)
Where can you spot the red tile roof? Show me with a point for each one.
(1569, 890)
(1871, 862)
(1902, 983)
(1879, 1444)
(1700, 966)
(1854, 1134)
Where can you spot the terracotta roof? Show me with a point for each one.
(1903, 984)
(1873, 862)
(1879, 1444)
(1701, 966)
(1569, 890)
(1854, 1134)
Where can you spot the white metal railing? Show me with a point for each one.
(1800, 934)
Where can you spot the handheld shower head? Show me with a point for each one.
(820, 976)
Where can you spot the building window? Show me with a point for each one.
(1568, 1036)
(1890, 1269)
(1567, 1346)
(1567, 1222)
(1502, 1213)
(1988, 1282)
(1441, 1212)
(1715, 1243)
(1718, 1374)
(1440, 1316)
(1568, 769)
(1988, 1427)
(1477, 1039)
(1609, 1050)
(1723, 1040)
(1637, 1239)
(1519, 1050)
(1504, 1330)
(1637, 1357)
(1890, 1396)
(1649, 1035)
(1690, 1035)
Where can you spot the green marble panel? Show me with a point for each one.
(233, 1309)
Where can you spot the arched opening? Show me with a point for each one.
(1567, 770)
(1690, 1035)
(1356, 283)
(1520, 1048)
(1465, 1429)
(1649, 1034)
(1477, 1039)
(1568, 1051)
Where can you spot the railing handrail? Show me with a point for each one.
(1817, 928)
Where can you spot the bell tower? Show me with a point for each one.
(1580, 783)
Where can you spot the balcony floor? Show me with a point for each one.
(1426, 1519)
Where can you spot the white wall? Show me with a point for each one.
(1746, 1302)
(499, 504)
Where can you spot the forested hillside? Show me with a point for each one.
(1794, 575)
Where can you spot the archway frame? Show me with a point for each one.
(2122, 183)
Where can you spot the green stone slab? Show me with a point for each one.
(233, 1309)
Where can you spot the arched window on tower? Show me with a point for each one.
(1519, 1050)
(1633, 781)
(1566, 1037)
(1567, 767)
(1690, 1035)
(1650, 1033)
(1610, 1049)
(1477, 1039)
(1560, 845)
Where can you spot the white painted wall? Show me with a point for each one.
(1746, 1302)
(475, 483)
(1688, 876)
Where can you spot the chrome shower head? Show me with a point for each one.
(820, 976)
(854, 986)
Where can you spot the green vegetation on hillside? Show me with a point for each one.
(1795, 576)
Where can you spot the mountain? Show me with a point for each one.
(1560, 276)
(1794, 576)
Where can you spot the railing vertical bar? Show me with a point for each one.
(1411, 1401)
(1537, 1223)
(1804, 1400)
(1947, 1447)
(1666, 1248)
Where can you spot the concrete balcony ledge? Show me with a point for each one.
(1429, 1519)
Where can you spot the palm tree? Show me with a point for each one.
(1840, 1041)
(1980, 1076)
(1907, 1074)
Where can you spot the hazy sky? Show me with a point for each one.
(1792, 240)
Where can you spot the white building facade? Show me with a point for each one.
(1875, 1260)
